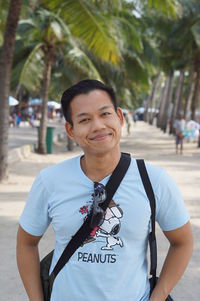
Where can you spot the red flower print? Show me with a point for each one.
(83, 210)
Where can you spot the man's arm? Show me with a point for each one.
(180, 251)
(29, 264)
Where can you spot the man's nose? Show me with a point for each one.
(97, 124)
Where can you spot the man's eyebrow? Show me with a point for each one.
(83, 114)
(105, 108)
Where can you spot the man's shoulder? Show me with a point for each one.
(63, 166)
(151, 168)
(160, 179)
(155, 172)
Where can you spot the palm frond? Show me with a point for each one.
(32, 72)
(79, 60)
(130, 35)
(196, 33)
(136, 70)
(89, 25)
(170, 8)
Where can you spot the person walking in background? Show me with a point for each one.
(179, 126)
(18, 119)
(128, 123)
(112, 265)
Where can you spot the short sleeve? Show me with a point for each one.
(35, 218)
(171, 212)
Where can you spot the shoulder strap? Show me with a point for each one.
(116, 178)
(152, 237)
(85, 229)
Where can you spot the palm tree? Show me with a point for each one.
(132, 73)
(100, 37)
(165, 104)
(6, 59)
(157, 17)
(47, 32)
(87, 23)
(177, 100)
(49, 43)
(190, 93)
(196, 95)
(183, 39)
(152, 103)
(182, 48)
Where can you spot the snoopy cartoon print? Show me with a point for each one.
(111, 227)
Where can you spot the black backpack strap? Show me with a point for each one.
(152, 237)
(84, 231)
(116, 178)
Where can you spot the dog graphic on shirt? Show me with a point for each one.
(109, 228)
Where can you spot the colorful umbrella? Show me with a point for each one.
(13, 101)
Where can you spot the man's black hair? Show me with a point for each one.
(83, 87)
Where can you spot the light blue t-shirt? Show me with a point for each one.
(112, 263)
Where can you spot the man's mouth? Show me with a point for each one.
(100, 137)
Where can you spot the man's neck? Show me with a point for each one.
(98, 167)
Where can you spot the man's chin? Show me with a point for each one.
(101, 150)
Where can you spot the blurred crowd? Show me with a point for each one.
(31, 115)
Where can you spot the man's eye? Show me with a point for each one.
(106, 113)
(84, 120)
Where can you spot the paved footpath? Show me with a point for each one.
(144, 142)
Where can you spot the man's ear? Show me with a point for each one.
(69, 130)
(120, 115)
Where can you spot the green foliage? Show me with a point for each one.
(81, 63)
(196, 33)
(3, 16)
(169, 8)
(35, 35)
(32, 72)
(87, 23)
(106, 40)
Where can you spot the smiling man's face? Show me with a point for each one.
(96, 125)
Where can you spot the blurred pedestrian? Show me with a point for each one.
(18, 119)
(179, 126)
(128, 123)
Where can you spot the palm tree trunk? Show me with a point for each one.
(163, 103)
(152, 100)
(44, 110)
(160, 104)
(196, 100)
(164, 121)
(6, 60)
(146, 108)
(177, 100)
(190, 95)
(196, 95)
(149, 102)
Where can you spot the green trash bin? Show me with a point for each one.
(49, 139)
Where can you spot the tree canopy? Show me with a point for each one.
(148, 50)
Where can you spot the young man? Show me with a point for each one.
(112, 265)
